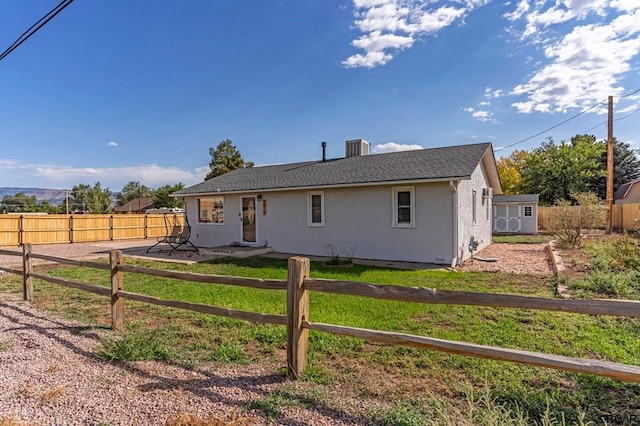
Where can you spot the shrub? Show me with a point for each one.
(569, 221)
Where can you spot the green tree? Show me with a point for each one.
(626, 167)
(554, 171)
(19, 202)
(509, 169)
(225, 158)
(99, 199)
(162, 196)
(131, 191)
(78, 197)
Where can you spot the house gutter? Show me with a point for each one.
(454, 197)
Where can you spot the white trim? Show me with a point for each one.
(255, 219)
(318, 187)
(412, 206)
(474, 207)
(310, 222)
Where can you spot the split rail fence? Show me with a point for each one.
(18, 229)
(297, 320)
(624, 216)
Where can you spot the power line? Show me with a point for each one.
(629, 94)
(35, 27)
(553, 127)
(617, 119)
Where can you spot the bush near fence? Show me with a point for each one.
(17, 229)
(624, 216)
(299, 284)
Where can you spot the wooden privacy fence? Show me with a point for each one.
(297, 320)
(61, 228)
(624, 216)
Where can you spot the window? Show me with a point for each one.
(403, 207)
(211, 210)
(528, 211)
(474, 213)
(315, 208)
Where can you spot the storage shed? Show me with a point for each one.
(515, 214)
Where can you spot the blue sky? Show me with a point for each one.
(114, 91)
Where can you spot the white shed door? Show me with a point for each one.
(507, 218)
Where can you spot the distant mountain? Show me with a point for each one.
(53, 196)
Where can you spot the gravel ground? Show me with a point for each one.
(49, 375)
(528, 259)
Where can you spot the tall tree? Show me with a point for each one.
(509, 169)
(131, 191)
(626, 167)
(99, 199)
(225, 158)
(554, 171)
(78, 200)
(162, 196)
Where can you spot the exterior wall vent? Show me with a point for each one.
(356, 148)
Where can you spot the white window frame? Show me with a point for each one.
(199, 210)
(412, 206)
(310, 222)
(524, 211)
(474, 207)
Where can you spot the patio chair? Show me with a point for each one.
(177, 234)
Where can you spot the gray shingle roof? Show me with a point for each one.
(431, 163)
(517, 198)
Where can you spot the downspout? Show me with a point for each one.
(454, 197)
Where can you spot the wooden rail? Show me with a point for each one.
(627, 308)
(298, 286)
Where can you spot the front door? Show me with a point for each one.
(249, 220)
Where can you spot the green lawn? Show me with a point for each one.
(420, 378)
(522, 239)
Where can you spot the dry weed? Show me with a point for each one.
(188, 419)
(51, 395)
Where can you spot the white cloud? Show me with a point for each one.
(390, 26)
(112, 143)
(19, 174)
(482, 115)
(584, 65)
(395, 147)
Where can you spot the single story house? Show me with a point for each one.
(515, 214)
(137, 206)
(628, 193)
(431, 205)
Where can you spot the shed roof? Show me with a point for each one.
(623, 190)
(516, 198)
(426, 164)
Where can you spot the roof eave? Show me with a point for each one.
(312, 187)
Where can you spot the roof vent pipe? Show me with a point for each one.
(324, 151)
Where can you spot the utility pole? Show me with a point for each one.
(610, 167)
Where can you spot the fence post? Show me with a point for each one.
(70, 229)
(111, 227)
(27, 269)
(297, 312)
(117, 284)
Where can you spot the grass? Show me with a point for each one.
(391, 375)
(522, 239)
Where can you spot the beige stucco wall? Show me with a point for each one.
(358, 221)
(481, 230)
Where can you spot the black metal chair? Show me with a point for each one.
(177, 234)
